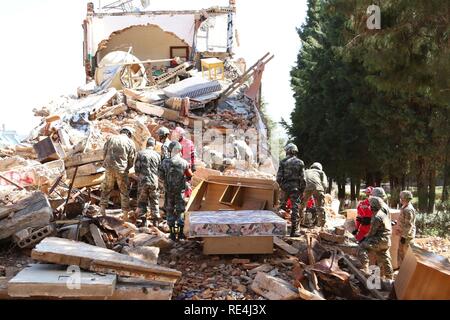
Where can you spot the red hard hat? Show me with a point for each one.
(368, 190)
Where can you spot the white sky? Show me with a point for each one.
(42, 50)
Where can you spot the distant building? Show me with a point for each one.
(8, 137)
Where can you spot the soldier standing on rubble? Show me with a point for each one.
(119, 154)
(364, 217)
(378, 240)
(146, 168)
(174, 171)
(407, 224)
(291, 179)
(163, 135)
(316, 184)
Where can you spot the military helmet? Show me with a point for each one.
(407, 195)
(290, 147)
(376, 203)
(128, 131)
(163, 131)
(317, 165)
(175, 146)
(151, 142)
(379, 192)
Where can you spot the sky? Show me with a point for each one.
(42, 50)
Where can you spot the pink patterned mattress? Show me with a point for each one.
(235, 224)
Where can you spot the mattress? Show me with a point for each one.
(192, 87)
(235, 224)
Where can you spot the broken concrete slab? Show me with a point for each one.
(67, 252)
(28, 238)
(273, 288)
(285, 246)
(44, 280)
(37, 214)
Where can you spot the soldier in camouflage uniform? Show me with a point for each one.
(174, 171)
(380, 193)
(291, 179)
(119, 155)
(163, 134)
(378, 240)
(407, 224)
(316, 184)
(146, 168)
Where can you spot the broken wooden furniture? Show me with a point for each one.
(233, 193)
(423, 276)
(48, 150)
(95, 259)
(236, 232)
(213, 64)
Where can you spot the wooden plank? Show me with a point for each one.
(153, 110)
(362, 279)
(84, 158)
(331, 237)
(285, 246)
(97, 235)
(141, 291)
(89, 181)
(273, 288)
(66, 252)
(37, 214)
(43, 280)
(423, 276)
(237, 245)
(84, 170)
(111, 111)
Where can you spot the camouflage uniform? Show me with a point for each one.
(316, 184)
(407, 223)
(146, 167)
(119, 153)
(291, 178)
(172, 171)
(378, 240)
(165, 154)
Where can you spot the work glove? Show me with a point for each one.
(366, 221)
(355, 232)
(402, 240)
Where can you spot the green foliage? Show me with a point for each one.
(370, 101)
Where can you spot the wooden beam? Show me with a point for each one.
(84, 158)
(66, 252)
(358, 274)
(285, 246)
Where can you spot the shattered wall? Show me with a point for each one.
(149, 42)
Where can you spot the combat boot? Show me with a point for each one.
(294, 230)
(181, 235)
(173, 235)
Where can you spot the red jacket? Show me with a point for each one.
(364, 211)
(310, 203)
(188, 152)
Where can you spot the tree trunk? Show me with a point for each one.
(403, 181)
(446, 179)
(422, 186)
(432, 191)
(378, 179)
(395, 191)
(352, 190)
(330, 185)
(358, 188)
(341, 194)
(369, 179)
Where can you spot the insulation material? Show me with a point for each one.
(192, 87)
(236, 223)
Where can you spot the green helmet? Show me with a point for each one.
(376, 203)
(128, 131)
(151, 142)
(291, 148)
(379, 192)
(407, 195)
(317, 165)
(174, 147)
(163, 131)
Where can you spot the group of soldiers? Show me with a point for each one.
(373, 223)
(150, 166)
